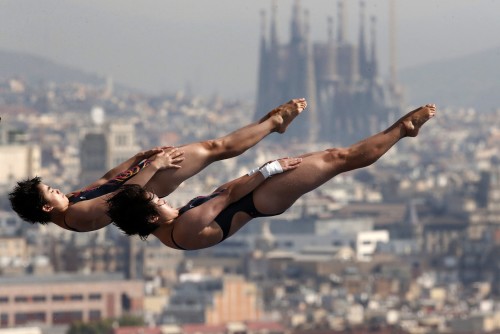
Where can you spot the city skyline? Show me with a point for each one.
(417, 232)
(131, 41)
(409, 244)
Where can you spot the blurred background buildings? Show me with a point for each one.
(407, 245)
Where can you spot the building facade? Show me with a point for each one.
(105, 148)
(63, 299)
(347, 99)
(20, 160)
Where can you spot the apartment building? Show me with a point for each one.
(63, 299)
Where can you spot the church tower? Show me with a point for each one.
(364, 66)
(263, 80)
(347, 100)
(286, 72)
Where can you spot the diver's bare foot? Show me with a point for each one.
(416, 118)
(283, 115)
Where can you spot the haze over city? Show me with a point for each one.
(410, 243)
(160, 46)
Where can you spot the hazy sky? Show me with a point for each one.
(161, 45)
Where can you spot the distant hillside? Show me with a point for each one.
(470, 81)
(35, 69)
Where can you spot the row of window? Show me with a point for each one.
(43, 298)
(58, 317)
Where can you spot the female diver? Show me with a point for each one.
(207, 220)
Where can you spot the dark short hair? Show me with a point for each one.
(27, 200)
(132, 211)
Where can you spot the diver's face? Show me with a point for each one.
(166, 213)
(56, 200)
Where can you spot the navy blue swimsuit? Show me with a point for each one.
(106, 188)
(225, 217)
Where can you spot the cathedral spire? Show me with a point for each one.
(310, 90)
(263, 75)
(330, 29)
(263, 26)
(373, 58)
(296, 27)
(274, 32)
(342, 18)
(363, 61)
(307, 27)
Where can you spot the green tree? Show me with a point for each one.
(130, 320)
(97, 327)
(103, 326)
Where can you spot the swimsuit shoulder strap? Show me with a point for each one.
(69, 227)
(173, 240)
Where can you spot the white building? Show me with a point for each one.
(366, 243)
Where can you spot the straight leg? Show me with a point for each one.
(199, 155)
(280, 191)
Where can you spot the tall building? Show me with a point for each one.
(206, 300)
(347, 100)
(239, 300)
(106, 148)
(488, 190)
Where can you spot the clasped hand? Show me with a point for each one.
(167, 157)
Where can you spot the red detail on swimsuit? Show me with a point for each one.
(108, 187)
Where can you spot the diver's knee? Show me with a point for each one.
(217, 145)
(214, 147)
(337, 154)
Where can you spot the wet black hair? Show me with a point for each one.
(131, 209)
(27, 200)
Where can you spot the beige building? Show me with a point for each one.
(14, 247)
(121, 143)
(160, 261)
(238, 301)
(19, 161)
(62, 299)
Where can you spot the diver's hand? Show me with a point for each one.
(169, 157)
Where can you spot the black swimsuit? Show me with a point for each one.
(225, 217)
(106, 188)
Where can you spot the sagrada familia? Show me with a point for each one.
(347, 99)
